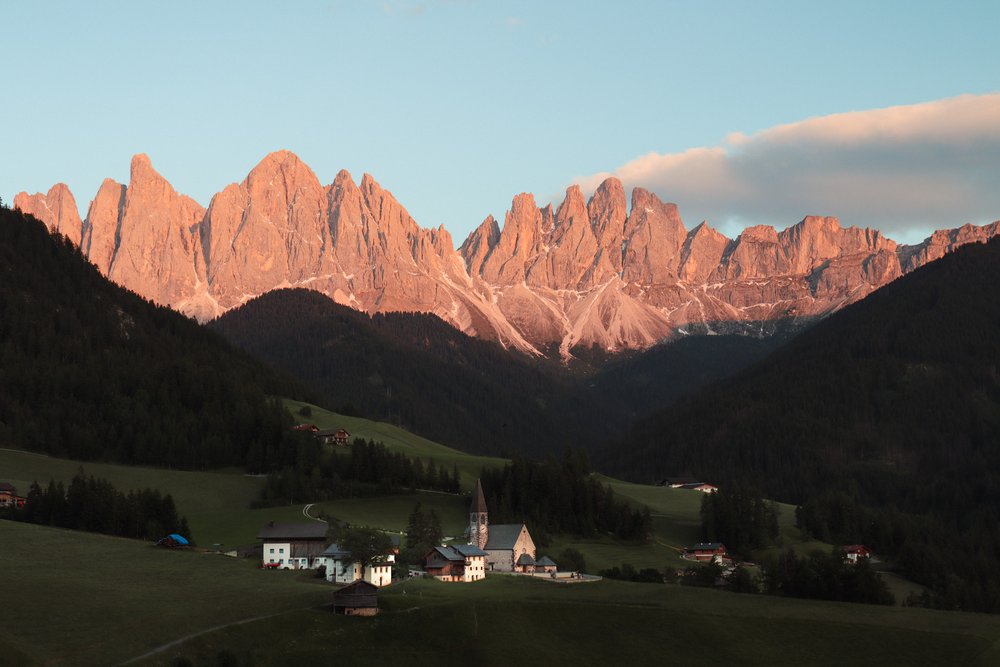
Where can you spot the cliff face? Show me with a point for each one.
(593, 272)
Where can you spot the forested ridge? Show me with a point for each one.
(89, 370)
(883, 422)
(417, 371)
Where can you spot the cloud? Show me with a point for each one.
(905, 170)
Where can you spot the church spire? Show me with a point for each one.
(479, 523)
(478, 499)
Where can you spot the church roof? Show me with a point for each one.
(503, 536)
(478, 499)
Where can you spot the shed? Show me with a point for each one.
(357, 599)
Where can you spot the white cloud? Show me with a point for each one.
(905, 170)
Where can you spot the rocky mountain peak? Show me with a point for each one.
(597, 272)
(57, 209)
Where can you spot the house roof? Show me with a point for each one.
(7, 486)
(314, 530)
(478, 499)
(335, 551)
(525, 559)
(545, 560)
(468, 550)
(711, 546)
(503, 536)
(855, 548)
(697, 485)
(448, 553)
(325, 431)
(679, 480)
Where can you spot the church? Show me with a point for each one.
(508, 547)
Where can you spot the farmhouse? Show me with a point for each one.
(9, 497)
(706, 551)
(855, 552)
(292, 546)
(332, 436)
(342, 569)
(698, 486)
(460, 562)
(675, 482)
(358, 599)
(504, 544)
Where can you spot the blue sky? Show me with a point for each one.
(457, 106)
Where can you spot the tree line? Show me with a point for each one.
(560, 496)
(94, 504)
(367, 468)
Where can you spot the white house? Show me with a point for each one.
(341, 569)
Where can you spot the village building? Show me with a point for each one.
(342, 569)
(504, 544)
(459, 562)
(856, 552)
(358, 599)
(546, 565)
(9, 497)
(705, 552)
(676, 482)
(698, 486)
(333, 436)
(292, 546)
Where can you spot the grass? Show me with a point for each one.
(506, 620)
(82, 599)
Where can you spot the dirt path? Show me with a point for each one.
(177, 642)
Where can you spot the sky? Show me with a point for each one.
(885, 114)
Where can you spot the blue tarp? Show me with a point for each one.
(177, 538)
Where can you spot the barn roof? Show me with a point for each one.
(314, 530)
(449, 553)
(359, 594)
(503, 536)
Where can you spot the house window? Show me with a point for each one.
(272, 550)
(281, 551)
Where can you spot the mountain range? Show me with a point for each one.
(600, 272)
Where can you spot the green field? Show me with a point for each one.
(81, 599)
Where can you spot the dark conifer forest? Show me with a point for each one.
(882, 422)
(417, 371)
(91, 371)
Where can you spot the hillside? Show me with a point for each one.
(884, 419)
(91, 371)
(415, 370)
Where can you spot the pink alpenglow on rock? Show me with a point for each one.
(595, 272)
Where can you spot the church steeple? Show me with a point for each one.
(479, 523)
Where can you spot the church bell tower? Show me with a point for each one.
(479, 522)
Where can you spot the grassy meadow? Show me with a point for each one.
(83, 599)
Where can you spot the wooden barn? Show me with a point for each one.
(357, 599)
